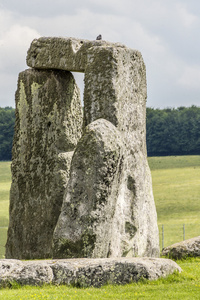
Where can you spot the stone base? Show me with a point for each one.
(184, 249)
(84, 272)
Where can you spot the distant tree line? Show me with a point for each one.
(170, 131)
(7, 120)
(173, 131)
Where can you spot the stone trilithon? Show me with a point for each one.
(107, 202)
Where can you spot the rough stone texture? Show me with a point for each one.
(84, 272)
(48, 126)
(85, 226)
(125, 222)
(62, 53)
(24, 273)
(188, 248)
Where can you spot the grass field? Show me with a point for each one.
(176, 185)
(5, 181)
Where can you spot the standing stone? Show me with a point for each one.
(124, 221)
(48, 126)
(115, 89)
(84, 228)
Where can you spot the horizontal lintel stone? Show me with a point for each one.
(64, 53)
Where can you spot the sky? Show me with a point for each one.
(166, 32)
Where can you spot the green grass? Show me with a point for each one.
(177, 286)
(5, 181)
(172, 162)
(176, 185)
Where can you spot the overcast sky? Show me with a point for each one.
(166, 32)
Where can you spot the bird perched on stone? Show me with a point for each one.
(99, 37)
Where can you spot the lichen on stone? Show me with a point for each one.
(42, 151)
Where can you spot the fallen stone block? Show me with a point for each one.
(24, 273)
(84, 272)
(184, 249)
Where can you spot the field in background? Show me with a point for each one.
(5, 181)
(176, 186)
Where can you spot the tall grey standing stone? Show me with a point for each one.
(115, 90)
(47, 128)
(84, 228)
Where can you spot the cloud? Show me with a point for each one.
(164, 31)
(13, 46)
(15, 39)
(8, 86)
(190, 77)
(187, 19)
(41, 8)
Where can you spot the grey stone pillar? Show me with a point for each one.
(48, 126)
(115, 90)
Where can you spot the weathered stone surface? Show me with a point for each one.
(25, 273)
(48, 126)
(187, 248)
(85, 272)
(115, 90)
(62, 53)
(85, 226)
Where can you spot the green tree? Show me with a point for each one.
(7, 120)
(173, 131)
